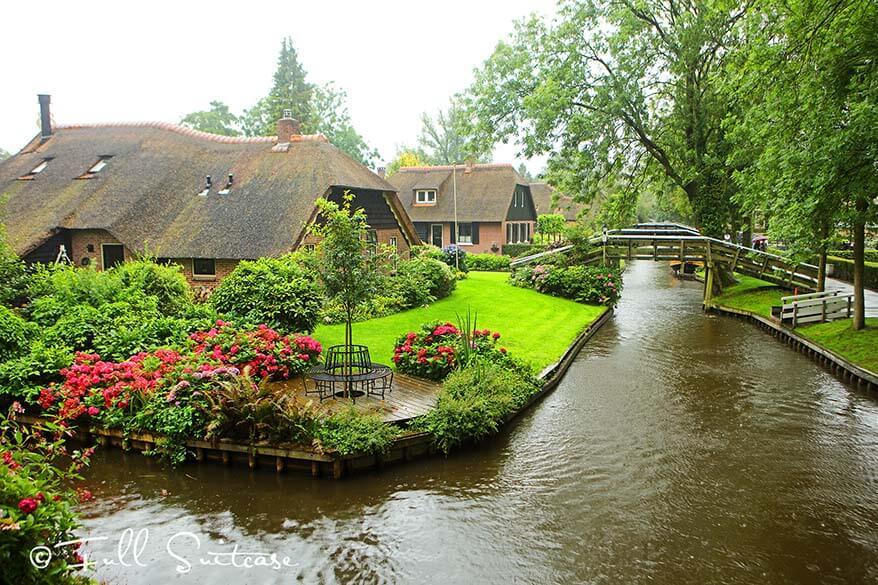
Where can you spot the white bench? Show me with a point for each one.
(815, 307)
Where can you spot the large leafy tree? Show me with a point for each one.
(618, 90)
(217, 120)
(320, 110)
(4, 154)
(807, 134)
(446, 138)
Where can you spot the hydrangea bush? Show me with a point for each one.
(585, 284)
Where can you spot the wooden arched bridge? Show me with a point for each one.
(675, 242)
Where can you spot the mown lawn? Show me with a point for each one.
(859, 347)
(751, 294)
(535, 327)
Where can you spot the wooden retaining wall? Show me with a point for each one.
(834, 363)
(305, 458)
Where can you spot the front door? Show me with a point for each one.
(112, 254)
(436, 234)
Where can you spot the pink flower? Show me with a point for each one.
(85, 495)
(28, 505)
(496, 335)
(93, 410)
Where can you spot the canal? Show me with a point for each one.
(680, 448)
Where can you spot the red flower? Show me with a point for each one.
(85, 495)
(496, 335)
(502, 350)
(93, 410)
(28, 505)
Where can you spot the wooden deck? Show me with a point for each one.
(409, 397)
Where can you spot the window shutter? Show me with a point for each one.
(475, 232)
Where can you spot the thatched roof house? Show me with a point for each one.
(494, 204)
(107, 191)
(547, 199)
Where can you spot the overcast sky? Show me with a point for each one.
(120, 61)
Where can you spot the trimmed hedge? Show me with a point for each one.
(488, 262)
(870, 255)
(516, 250)
(844, 270)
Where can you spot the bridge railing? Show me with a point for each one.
(682, 245)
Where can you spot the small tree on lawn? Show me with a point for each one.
(551, 225)
(347, 266)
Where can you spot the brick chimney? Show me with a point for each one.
(287, 127)
(381, 172)
(45, 117)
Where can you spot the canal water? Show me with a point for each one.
(679, 448)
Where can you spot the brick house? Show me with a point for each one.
(494, 205)
(547, 199)
(103, 193)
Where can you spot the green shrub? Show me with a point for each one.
(869, 255)
(166, 283)
(474, 402)
(584, 284)
(279, 292)
(15, 334)
(350, 432)
(422, 278)
(488, 262)
(37, 503)
(23, 377)
(71, 286)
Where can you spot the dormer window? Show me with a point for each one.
(425, 196)
(36, 170)
(518, 199)
(99, 166)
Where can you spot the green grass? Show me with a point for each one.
(535, 327)
(859, 347)
(751, 294)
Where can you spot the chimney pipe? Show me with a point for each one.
(45, 117)
(287, 127)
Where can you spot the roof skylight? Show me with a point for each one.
(99, 166)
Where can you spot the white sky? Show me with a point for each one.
(121, 61)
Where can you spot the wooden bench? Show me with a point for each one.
(814, 307)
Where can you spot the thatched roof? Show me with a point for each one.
(543, 193)
(148, 194)
(484, 193)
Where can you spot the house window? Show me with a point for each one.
(203, 268)
(465, 233)
(310, 247)
(372, 240)
(394, 243)
(518, 233)
(425, 196)
(518, 199)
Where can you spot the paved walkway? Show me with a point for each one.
(871, 295)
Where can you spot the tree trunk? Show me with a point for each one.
(821, 262)
(859, 265)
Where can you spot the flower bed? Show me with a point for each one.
(434, 350)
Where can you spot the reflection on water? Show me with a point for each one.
(680, 448)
